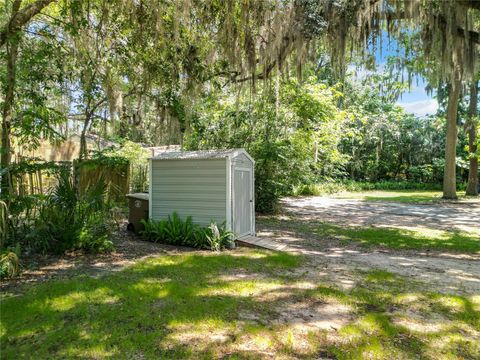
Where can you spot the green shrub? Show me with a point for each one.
(9, 262)
(219, 238)
(66, 220)
(175, 231)
(94, 235)
(200, 240)
(154, 230)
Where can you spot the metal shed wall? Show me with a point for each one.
(196, 188)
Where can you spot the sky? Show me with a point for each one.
(416, 100)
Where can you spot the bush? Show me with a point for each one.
(9, 262)
(94, 235)
(66, 220)
(175, 231)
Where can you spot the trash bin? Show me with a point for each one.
(137, 210)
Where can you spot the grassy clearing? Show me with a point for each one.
(326, 188)
(418, 239)
(403, 196)
(146, 309)
(236, 306)
(393, 238)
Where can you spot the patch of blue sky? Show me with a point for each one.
(415, 99)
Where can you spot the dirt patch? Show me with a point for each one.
(354, 212)
(129, 248)
(338, 263)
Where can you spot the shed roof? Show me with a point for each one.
(201, 154)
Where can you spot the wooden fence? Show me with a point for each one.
(116, 177)
(39, 177)
(33, 177)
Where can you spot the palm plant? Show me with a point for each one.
(68, 220)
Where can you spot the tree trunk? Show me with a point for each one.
(449, 176)
(83, 138)
(472, 186)
(12, 51)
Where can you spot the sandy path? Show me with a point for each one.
(351, 212)
(444, 272)
(441, 272)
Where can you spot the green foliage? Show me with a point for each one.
(32, 165)
(108, 157)
(4, 225)
(176, 231)
(219, 238)
(94, 237)
(332, 187)
(138, 158)
(293, 140)
(65, 220)
(41, 74)
(129, 153)
(385, 143)
(9, 262)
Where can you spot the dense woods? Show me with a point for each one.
(273, 77)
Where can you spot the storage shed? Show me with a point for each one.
(211, 185)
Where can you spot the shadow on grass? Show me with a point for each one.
(141, 311)
(405, 239)
(393, 238)
(190, 306)
(381, 300)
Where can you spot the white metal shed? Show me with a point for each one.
(210, 185)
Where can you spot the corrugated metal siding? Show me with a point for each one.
(189, 187)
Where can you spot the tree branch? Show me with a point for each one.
(472, 35)
(21, 18)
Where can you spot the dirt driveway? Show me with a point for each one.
(353, 212)
(440, 271)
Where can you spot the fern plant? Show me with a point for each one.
(219, 238)
(175, 231)
(153, 230)
(9, 262)
(68, 220)
(200, 238)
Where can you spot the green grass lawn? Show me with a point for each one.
(234, 306)
(404, 196)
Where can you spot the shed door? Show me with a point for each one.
(243, 201)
